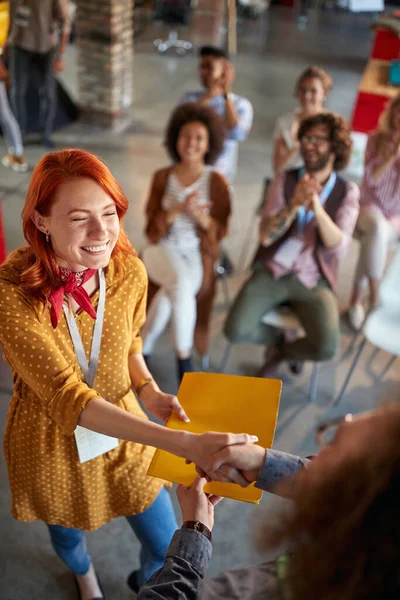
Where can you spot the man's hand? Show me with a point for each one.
(304, 192)
(227, 78)
(195, 504)
(162, 405)
(248, 459)
(58, 65)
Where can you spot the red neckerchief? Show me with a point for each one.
(71, 283)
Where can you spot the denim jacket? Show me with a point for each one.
(189, 554)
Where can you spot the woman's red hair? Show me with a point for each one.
(40, 271)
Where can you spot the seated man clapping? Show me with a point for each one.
(306, 227)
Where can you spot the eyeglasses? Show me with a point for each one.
(314, 140)
(325, 432)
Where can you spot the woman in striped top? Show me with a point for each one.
(379, 222)
(187, 216)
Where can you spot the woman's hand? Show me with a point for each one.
(162, 405)
(199, 212)
(195, 504)
(249, 459)
(174, 212)
(201, 450)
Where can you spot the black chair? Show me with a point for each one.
(175, 12)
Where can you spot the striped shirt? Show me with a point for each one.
(382, 191)
(182, 234)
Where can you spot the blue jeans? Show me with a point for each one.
(25, 65)
(9, 125)
(154, 529)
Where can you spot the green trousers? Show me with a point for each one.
(316, 308)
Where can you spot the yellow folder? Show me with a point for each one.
(229, 403)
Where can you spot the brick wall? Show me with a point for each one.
(104, 60)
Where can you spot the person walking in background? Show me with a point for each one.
(379, 222)
(36, 52)
(311, 91)
(305, 229)
(187, 216)
(12, 133)
(11, 130)
(217, 76)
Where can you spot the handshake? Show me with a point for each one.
(240, 463)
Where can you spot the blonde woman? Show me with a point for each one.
(379, 222)
(311, 91)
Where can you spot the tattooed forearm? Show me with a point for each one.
(271, 229)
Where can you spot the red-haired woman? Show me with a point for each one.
(72, 303)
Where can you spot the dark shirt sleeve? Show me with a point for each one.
(185, 566)
(189, 553)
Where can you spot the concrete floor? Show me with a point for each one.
(272, 52)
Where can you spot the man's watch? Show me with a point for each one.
(198, 526)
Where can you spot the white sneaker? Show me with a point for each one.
(19, 164)
(356, 316)
(7, 160)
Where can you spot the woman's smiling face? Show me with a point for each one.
(83, 225)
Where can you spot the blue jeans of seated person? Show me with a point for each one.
(154, 529)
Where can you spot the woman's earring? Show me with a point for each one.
(47, 238)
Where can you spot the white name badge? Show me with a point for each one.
(91, 444)
(287, 254)
(23, 15)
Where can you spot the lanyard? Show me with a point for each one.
(282, 568)
(303, 216)
(88, 368)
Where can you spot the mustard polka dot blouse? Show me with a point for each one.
(46, 478)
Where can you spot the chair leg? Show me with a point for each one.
(225, 289)
(351, 346)
(225, 358)
(246, 242)
(350, 373)
(314, 383)
(372, 358)
(391, 361)
(205, 362)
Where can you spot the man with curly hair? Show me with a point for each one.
(306, 228)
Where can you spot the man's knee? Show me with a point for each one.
(243, 320)
(236, 324)
(325, 345)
